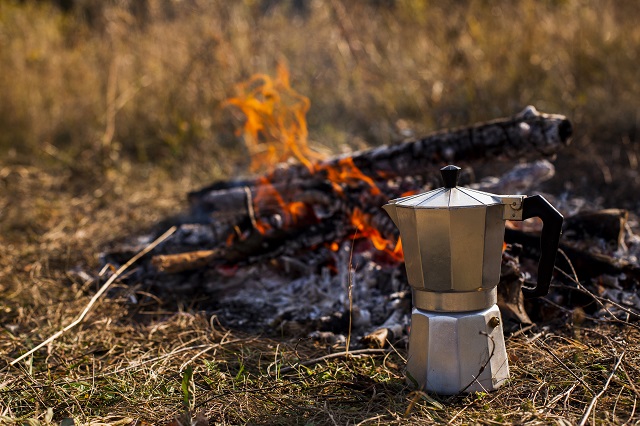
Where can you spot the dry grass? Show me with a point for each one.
(104, 127)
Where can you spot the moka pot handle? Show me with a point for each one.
(538, 206)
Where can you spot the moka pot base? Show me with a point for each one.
(454, 352)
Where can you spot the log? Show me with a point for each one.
(525, 135)
(607, 225)
(180, 262)
(246, 221)
(510, 297)
(529, 134)
(295, 207)
(584, 232)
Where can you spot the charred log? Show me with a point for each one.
(295, 207)
(591, 239)
(510, 297)
(526, 135)
(607, 225)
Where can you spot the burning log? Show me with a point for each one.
(307, 205)
(263, 245)
(525, 135)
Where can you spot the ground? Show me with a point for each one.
(106, 125)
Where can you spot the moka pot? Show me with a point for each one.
(452, 238)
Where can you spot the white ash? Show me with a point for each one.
(362, 291)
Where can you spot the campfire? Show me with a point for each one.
(302, 247)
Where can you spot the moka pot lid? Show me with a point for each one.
(450, 196)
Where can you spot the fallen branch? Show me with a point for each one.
(174, 263)
(100, 292)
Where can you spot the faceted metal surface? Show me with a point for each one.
(446, 198)
(452, 353)
(451, 249)
(452, 241)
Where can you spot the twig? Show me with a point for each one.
(482, 368)
(613, 319)
(598, 299)
(99, 293)
(573, 270)
(633, 411)
(332, 356)
(458, 413)
(550, 352)
(521, 331)
(534, 337)
(635, 390)
(378, 417)
(560, 396)
(585, 416)
(350, 276)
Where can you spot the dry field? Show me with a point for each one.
(110, 112)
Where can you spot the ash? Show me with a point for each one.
(354, 293)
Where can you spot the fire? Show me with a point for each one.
(275, 129)
(361, 222)
(346, 172)
(268, 198)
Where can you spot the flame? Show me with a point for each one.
(268, 198)
(408, 193)
(275, 129)
(346, 172)
(361, 222)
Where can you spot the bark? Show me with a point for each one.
(180, 262)
(607, 225)
(529, 134)
(251, 220)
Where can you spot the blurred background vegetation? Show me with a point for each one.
(95, 88)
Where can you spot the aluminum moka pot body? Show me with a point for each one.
(452, 239)
(452, 242)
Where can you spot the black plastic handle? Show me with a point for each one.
(538, 206)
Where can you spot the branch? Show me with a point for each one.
(98, 294)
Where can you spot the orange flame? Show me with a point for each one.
(268, 196)
(346, 172)
(361, 222)
(276, 127)
(275, 130)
